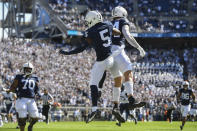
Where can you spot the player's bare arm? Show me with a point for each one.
(178, 97)
(116, 32)
(193, 96)
(13, 86)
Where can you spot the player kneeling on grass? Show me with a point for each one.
(26, 87)
(184, 96)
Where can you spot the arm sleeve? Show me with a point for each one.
(130, 39)
(77, 50)
(83, 45)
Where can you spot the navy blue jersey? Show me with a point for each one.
(118, 24)
(185, 96)
(101, 36)
(27, 86)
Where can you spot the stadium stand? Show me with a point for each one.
(157, 76)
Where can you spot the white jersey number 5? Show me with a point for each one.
(105, 38)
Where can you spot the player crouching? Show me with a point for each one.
(26, 87)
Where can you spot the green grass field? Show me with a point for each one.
(106, 126)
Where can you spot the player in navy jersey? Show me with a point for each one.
(120, 22)
(122, 62)
(99, 36)
(184, 97)
(26, 87)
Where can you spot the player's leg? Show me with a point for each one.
(126, 68)
(8, 107)
(47, 114)
(132, 115)
(101, 84)
(169, 112)
(11, 112)
(95, 76)
(1, 121)
(116, 90)
(17, 118)
(184, 111)
(45, 111)
(33, 113)
(122, 109)
(21, 107)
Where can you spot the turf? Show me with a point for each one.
(106, 126)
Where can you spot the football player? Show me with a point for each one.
(120, 22)
(184, 96)
(99, 36)
(8, 98)
(26, 87)
(170, 107)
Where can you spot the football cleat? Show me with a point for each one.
(118, 124)
(91, 116)
(29, 128)
(17, 127)
(118, 116)
(135, 120)
(137, 105)
(181, 127)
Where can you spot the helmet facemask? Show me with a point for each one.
(28, 68)
(27, 71)
(92, 18)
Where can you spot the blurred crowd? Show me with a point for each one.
(145, 14)
(157, 77)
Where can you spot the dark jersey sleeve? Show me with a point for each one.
(18, 77)
(123, 22)
(83, 45)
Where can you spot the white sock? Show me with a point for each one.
(129, 87)
(94, 108)
(116, 94)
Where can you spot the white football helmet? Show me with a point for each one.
(185, 84)
(28, 68)
(119, 11)
(92, 18)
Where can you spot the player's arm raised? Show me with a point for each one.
(131, 40)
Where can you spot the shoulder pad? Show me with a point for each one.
(18, 76)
